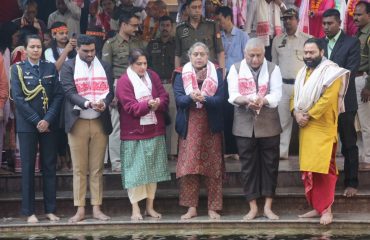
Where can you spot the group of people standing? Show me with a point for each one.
(222, 82)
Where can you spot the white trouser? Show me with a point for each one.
(363, 113)
(286, 119)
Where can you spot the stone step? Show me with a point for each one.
(287, 200)
(289, 176)
(121, 227)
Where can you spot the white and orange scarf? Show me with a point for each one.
(263, 21)
(91, 82)
(210, 83)
(247, 84)
(307, 93)
(143, 93)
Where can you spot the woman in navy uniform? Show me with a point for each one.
(38, 97)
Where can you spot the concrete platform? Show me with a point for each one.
(172, 225)
(115, 203)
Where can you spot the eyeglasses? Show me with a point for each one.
(134, 25)
(196, 54)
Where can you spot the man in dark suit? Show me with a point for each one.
(88, 86)
(345, 51)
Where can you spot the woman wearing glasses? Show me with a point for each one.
(199, 94)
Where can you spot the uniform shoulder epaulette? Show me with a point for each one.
(111, 40)
(180, 24)
(45, 61)
(20, 62)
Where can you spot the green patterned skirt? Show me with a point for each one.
(144, 161)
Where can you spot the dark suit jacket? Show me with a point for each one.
(346, 53)
(72, 98)
(30, 112)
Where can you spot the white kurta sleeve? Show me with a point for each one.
(276, 83)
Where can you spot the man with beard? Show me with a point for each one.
(287, 53)
(116, 51)
(161, 58)
(198, 29)
(362, 20)
(88, 87)
(344, 51)
(319, 90)
(67, 12)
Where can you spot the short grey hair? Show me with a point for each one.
(197, 44)
(254, 43)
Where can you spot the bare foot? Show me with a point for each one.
(100, 215)
(213, 215)
(326, 218)
(192, 212)
(52, 217)
(270, 214)
(32, 219)
(251, 214)
(79, 216)
(136, 215)
(310, 214)
(350, 192)
(152, 213)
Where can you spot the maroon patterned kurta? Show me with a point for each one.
(201, 151)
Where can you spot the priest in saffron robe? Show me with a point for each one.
(319, 92)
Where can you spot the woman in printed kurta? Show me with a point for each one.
(142, 103)
(198, 89)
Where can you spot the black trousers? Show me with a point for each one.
(28, 143)
(348, 137)
(259, 159)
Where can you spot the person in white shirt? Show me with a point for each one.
(61, 48)
(255, 91)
